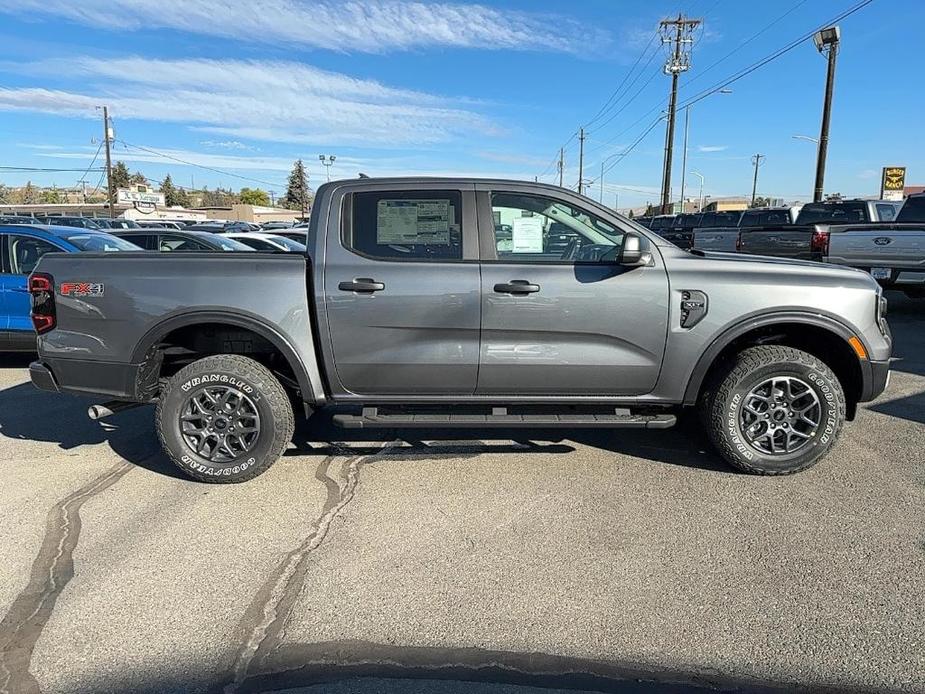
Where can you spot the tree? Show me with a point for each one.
(4, 193)
(218, 197)
(50, 197)
(761, 202)
(182, 198)
(138, 179)
(120, 176)
(171, 193)
(29, 194)
(254, 196)
(297, 193)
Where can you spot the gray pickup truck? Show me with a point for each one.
(442, 303)
(806, 238)
(893, 253)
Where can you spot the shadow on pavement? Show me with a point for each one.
(34, 415)
(907, 321)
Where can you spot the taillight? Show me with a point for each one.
(42, 289)
(820, 243)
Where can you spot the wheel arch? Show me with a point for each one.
(145, 350)
(795, 329)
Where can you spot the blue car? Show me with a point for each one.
(21, 246)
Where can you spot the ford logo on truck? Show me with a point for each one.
(883, 240)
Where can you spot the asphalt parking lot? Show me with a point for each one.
(634, 562)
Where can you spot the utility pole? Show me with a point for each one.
(107, 137)
(561, 164)
(756, 160)
(581, 160)
(601, 180)
(687, 123)
(826, 38)
(679, 32)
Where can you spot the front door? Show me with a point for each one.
(401, 291)
(559, 315)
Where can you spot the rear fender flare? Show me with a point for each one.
(239, 320)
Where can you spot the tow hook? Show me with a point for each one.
(97, 412)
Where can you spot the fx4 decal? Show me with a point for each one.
(81, 289)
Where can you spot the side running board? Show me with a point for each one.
(371, 418)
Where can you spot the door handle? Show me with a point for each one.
(517, 287)
(361, 284)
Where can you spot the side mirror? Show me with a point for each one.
(632, 254)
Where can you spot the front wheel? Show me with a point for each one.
(224, 418)
(776, 411)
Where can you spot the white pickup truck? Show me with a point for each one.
(893, 253)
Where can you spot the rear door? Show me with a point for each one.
(22, 255)
(564, 321)
(401, 290)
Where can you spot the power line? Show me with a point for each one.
(635, 95)
(29, 168)
(747, 41)
(84, 176)
(623, 82)
(773, 56)
(200, 166)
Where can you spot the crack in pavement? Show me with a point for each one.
(268, 613)
(52, 569)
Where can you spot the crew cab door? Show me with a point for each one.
(559, 315)
(401, 290)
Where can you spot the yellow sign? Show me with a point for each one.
(894, 177)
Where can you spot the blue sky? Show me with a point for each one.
(494, 88)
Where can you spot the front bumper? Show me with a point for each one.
(114, 380)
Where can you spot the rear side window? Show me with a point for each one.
(766, 218)
(841, 213)
(413, 225)
(886, 213)
(25, 251)
(913, 210)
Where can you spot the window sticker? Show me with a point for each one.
(414, 222)
(527, 235)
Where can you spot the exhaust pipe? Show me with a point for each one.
(97, 412)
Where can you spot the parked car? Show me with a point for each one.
(158, 224)
(116, 223)
(726, 238)
(269, 243)
(219, 227)
(299, 235)
(913, 210)
(643, 221)
(22, 246)
(806, 238)
(176, 240)
(80, 222)
(274, 226)
(400, 317)
(5, 219)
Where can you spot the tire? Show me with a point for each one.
(224, 438)
(743, 438)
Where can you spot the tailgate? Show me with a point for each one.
(716, 239)
(888, 246)
(781, 242)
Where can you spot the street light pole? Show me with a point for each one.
(700, 175)
(825, 38)
(328, 162)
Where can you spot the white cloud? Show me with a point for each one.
(712, 148)
(373, 26)
(255, 100)
(227, 144)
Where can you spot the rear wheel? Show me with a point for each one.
(776, 411)
(224, 418)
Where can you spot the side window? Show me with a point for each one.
(25, 251)
(536, 229)
(146, 241)
(180, 244)
(257, 244)
(886, 213)
(399, 225)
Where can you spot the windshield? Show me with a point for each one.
(290, 244)
(100, 242)
(225, 243)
